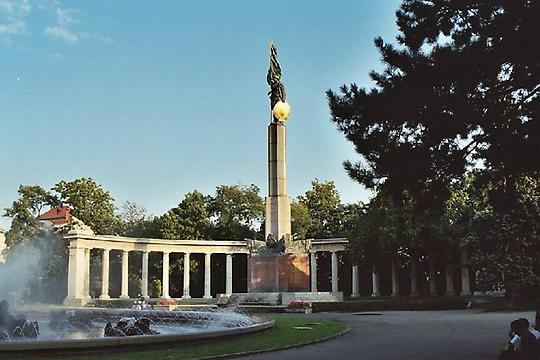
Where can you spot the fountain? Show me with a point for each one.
(84, 329)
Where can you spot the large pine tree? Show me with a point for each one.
(460, 88)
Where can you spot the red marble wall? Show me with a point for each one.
(278, 273)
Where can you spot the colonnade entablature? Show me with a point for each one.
(122, 243)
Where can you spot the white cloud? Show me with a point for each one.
(62, 34)
(15, 12)
(17, 27)
(15, 7)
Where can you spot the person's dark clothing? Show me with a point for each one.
(529, 346)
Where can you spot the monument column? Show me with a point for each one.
(228, 274)
(125, 268)
(355, 292)
(313, 256)
(165, 285)
(375, 282)
(186, 295)
(334, 272)
(207, 268)
(105, 275)
(465, 278)
(144, 275)
(278, 206)
(395, 279)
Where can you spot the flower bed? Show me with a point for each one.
(165, 304)
(298, 306)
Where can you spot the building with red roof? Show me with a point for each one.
(59, 216)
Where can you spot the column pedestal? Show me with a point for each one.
(449, 275)
(87, 273)
(414, 279)
(313, 266)
(465, 274)
(186, 277)
(165, 284)
(144, 275)
(395, 279)
(105, 275)
(228, 274)
(432, 278)
(334, 272)
(125, 278)
(355, 292)
(207, 268)
(375, 282)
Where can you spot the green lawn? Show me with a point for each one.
(282, 335)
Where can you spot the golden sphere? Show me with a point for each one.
(281, 110)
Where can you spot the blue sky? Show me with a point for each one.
(155, 99)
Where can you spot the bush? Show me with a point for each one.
(450, 303)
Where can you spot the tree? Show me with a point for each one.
(505, 235)
(324, 209)
(24, 212)
(189, 220)
(461, 89)
(90, 203)
(236, 211)
(40, 248)
(137, 223)
(300, 220)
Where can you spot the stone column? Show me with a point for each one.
(105, 275)
(432, 277)
(228, 274)
(144, 275)
(449, 275)
(465, 279)
(165, 284)
(125, 269)
(355, 292)
(375, 281)
(414, 278)
(395, 278)
(334, 272)
(278, 206)
(87, 273)
(186, 277)
(313, 264)
(76, 274)
(207, 268)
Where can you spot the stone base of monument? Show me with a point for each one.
(274, 273)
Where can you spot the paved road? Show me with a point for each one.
(440, 335)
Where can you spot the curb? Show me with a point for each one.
(244, 353)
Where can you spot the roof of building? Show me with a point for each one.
(58, 216)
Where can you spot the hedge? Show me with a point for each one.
(449, 303)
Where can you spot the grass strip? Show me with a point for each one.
(281, 336)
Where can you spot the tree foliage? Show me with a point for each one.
(189, 220)
(237, 211)
(324, 208)
(461, 87)
(90, 203)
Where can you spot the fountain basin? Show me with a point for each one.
(169, 320)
